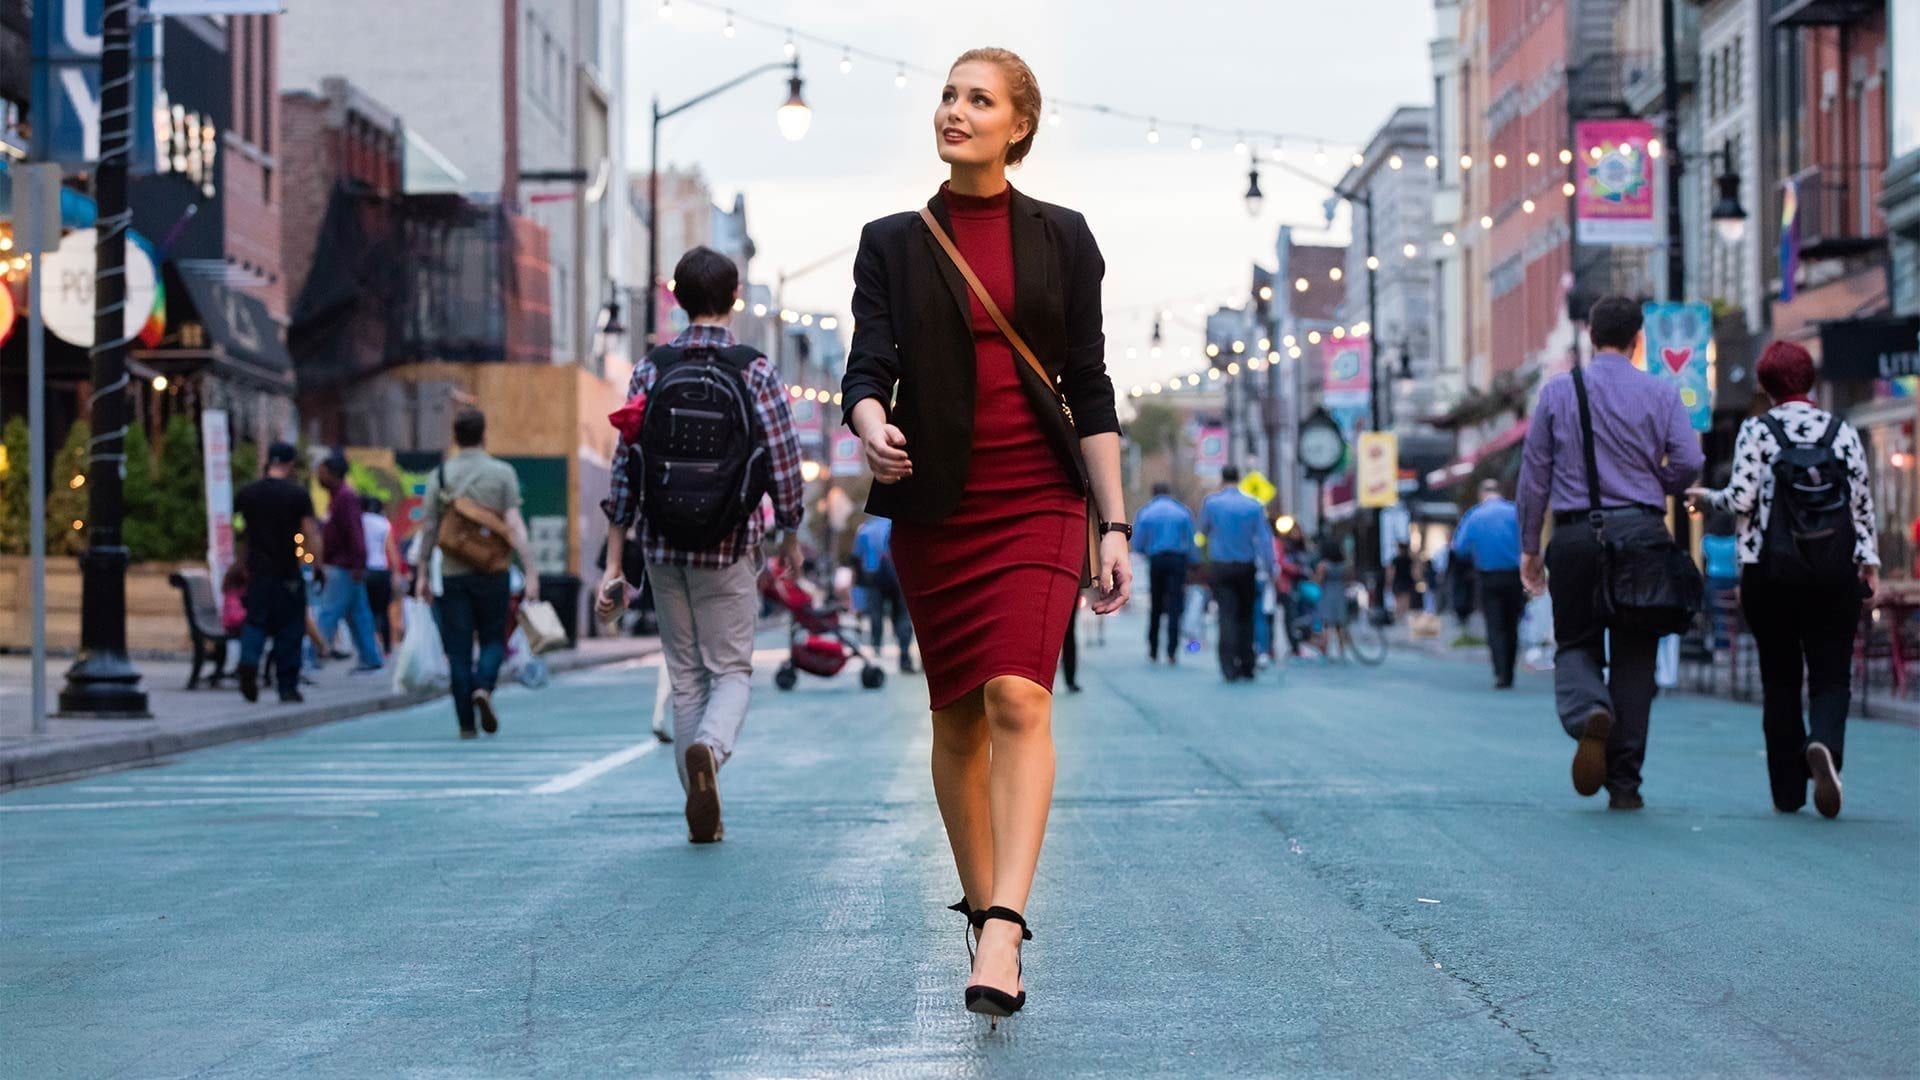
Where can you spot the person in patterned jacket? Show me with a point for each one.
(1796, 627)
(708, 601)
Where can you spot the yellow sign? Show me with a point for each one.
(1378, 475)
(1257, 487)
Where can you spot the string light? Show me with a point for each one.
(846, 62)
(1240, 145)
(1466, 161)
(1153, 131)
(1525, 207)
(1566, 156)
(790, 47)
(160, 382)
(1053, 117)
(1276, 153)
(1533, 157)
(1313, 337)
(1373, 262)
(1567, 189)
(1339, 332)
(1320, 156)
(1357, 160)
(1233, 369)
(1433, 161)
(1653, 148)
(1196, 142)
(666, 9)
(1448, 238)
(1334, 273)
(1300, 285)
(1409, 250)
(900, 77)
(1486, 221)
(1394, 162)
(1499, 161)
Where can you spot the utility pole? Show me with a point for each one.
(103, 682)
(1676, 228)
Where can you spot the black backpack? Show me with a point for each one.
(1809, 535)
(702, 465)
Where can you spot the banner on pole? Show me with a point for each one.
(67, 42)
(807, 424)
(217, 454)
(846, 454)
(1349, 370)
(1613, 180)
(1210, 450)
(1377, 477)
(1679, 344)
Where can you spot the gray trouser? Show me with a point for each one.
(1592, 668)
(707, 621)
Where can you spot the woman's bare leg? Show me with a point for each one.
(1020, 719)
(961, 754)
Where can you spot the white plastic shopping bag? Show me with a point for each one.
(420, 663)
(1666, 663)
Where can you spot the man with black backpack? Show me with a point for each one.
(1809, 555)
(1606, 445)
(709, 435)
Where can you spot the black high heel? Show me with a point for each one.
(988, 1001)
(966, 909)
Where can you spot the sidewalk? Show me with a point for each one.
(189, 719)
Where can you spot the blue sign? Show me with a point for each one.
(66, 83)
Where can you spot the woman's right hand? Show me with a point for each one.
(886, 454)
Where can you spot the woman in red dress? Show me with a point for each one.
(987, 478)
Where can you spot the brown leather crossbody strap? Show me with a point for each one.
(993, 309)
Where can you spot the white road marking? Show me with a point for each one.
(371, 796)
(345, 778)
(593, 770)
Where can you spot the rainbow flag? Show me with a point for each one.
(1789, 238)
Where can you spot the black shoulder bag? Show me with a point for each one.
(1644, 581)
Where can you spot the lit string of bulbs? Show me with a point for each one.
(1242, 138)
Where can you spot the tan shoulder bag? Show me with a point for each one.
(473, 533)
(1090, 575)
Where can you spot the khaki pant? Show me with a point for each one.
(707, 622)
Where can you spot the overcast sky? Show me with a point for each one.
(1171, 221)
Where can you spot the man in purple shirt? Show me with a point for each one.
(343, 582)
(1644, 450)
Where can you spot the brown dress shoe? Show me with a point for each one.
(1590, 757)
(703, 795)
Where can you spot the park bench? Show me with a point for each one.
(203, 622)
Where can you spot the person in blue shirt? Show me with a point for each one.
(1240, 552)
(1490, 536)
(1163, 532)
(873, 550)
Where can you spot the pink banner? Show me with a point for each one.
(1614, 183)
(1349, 366)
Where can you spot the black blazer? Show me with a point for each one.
(913, 334)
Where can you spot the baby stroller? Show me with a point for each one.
(816, 643)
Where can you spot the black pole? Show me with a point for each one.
(1370, 558)
(1676, 228)
(103, 682)
(649, 329)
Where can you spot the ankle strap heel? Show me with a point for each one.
(989, 1001)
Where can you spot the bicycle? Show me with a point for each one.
(1365, 635)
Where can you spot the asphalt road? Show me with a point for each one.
(1336, 871)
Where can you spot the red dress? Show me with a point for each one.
(990, 588)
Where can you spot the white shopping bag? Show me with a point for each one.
(1666, 663)
(1536, 633)
(420, 663)
(542, 626)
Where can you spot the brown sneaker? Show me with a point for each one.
(703, 796)
(1590, 757)
(483, 707)
(1826, 780)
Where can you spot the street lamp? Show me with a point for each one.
(1729, 217)
(1254, 198)
(793, 118)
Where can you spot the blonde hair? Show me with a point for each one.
(1022, 88)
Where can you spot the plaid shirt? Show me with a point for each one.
(622, 505)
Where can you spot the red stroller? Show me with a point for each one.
(816, 643)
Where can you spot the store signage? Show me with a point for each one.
(1863, 350)
(189, 144)
(66, 296)
(66, 83)
(1678, 348)
(846, 460)
(1210, 450)
(1378, 471)
(1613, 181)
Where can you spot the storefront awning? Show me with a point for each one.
(243, 334)
(1462, 467)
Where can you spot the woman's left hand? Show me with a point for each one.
(1114, 583)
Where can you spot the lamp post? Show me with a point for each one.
(793, 117)
(103, 682)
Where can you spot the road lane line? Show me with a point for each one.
(593, 770)
(371, 796)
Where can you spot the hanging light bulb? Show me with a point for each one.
(1433, 161)
(1240, 145)
(1653, 148)
(1499, 161)
(790, 47)
(1566, 156)
(1053, 117)
(1313, 337)
(1486, 221)
(1357, 160)
(1373, 262)
(1533, 158)
(794, 117)
(1277, 153)
(1334, 273)
(846, 61)
(728, 29)
(1153, 131)
(1448, 238)
(900, 77)
(666, 9)
(1466, 161)
(1567, 189)
(1526, 207)
(1394, 162)
(1196, 142)
(1320, 155)
(1409, 250)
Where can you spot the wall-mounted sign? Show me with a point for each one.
(845, 454)
(1210, 450)
(1862, 350)
(1349, 372)
(1377, 476)
(67, 291)
(1613, 180)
